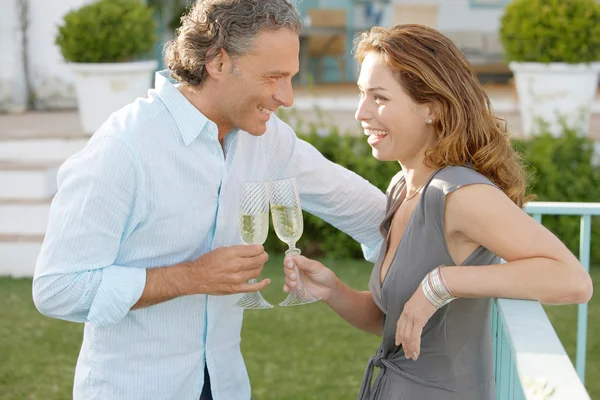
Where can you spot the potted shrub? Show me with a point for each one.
(553, 49)
(103, 43)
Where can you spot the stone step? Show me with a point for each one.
(18, 254)
(41, 124)
(24, 217)
(39, 149)
(27, 181)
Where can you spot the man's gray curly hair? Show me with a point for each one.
(212, 25)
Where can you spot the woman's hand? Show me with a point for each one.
(417, 311)
(316, 278)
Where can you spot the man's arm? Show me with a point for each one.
(224, 270)
(340, 197)
(99, 199)
(98, 203)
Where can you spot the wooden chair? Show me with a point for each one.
(321, 46)
(416, 13)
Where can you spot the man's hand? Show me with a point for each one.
(224, 270)
(227, 270)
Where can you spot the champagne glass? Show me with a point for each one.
(254, 227)
(288, 224)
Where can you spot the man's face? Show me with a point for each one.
(259, 82)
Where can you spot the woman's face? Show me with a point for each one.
(396, 126)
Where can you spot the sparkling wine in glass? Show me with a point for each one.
(254, 227)
(288, 224)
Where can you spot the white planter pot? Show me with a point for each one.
(103, 88)
(553, 91)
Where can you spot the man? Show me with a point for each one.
(142, 242)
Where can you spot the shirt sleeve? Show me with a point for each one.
(98, 203)
(333, 193)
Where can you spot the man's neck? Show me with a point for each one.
(207, 107)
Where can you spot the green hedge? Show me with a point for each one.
(561, 169)
(107, 31)
(551, 31)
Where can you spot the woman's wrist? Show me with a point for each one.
(435, 288)
(333, 291)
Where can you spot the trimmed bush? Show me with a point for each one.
(551, 31)
(563, 169)
(107, 31)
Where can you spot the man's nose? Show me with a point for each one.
(285, 94)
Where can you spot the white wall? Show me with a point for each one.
(12, 84)
(454, 15)
(51, 78)
(459, 16)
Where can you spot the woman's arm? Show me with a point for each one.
(356, 307)
(538, 265)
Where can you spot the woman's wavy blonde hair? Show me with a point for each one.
(431, 69)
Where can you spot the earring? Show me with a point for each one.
(429, 121)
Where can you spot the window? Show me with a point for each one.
(488, 3)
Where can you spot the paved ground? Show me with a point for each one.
(336, 102)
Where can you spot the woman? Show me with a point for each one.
(456, 202)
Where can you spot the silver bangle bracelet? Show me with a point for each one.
(435, 289)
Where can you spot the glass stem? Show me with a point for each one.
(293, 250)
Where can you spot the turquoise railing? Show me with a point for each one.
(586, 211)
(530, 360)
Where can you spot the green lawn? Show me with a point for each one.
(291, 353)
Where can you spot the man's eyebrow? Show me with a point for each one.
(279, 73)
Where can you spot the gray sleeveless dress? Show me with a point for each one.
(456, 359)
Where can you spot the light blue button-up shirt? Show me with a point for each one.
(152, 188)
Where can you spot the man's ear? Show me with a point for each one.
(217, 66)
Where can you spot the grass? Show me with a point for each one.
(564, 321)
(291, 352)
(296, 352)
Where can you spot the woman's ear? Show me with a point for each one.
(429, 112)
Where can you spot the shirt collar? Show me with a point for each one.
(190, 121)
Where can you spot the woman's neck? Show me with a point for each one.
(415, 176)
